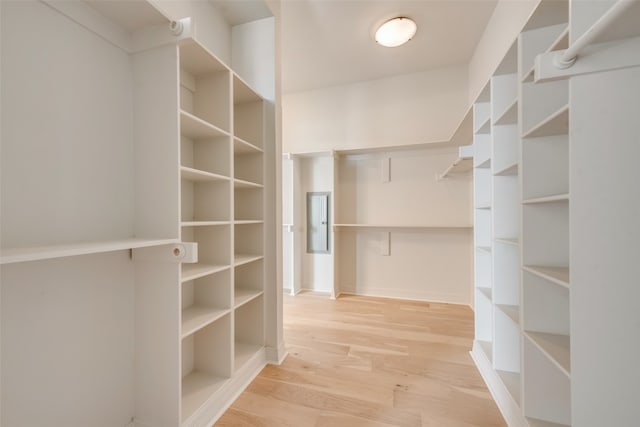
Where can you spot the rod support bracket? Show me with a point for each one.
(562, 63)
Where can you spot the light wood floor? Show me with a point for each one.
(361, 361)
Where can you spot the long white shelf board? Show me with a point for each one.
(240, 146)
(197, 389)
(512, 311)
(195, 271)
(248, 221)
(548, 199)
(38, 253)
(241, 259)
(194, 127)
(509, 116)
(195, 318)
(242, 296)
(485, 127)
(487, 292)
(558, 275)
(192, 174)
(203, 223)
(555, 124)
(556, 347)
(511, 170)
(484, 164)
(507, 241)
(241, 183)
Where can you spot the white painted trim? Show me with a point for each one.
(224, 398)
(275, 356)
(406, 298)
(508, 407)
(408, 295)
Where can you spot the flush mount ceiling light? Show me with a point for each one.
(396, 32)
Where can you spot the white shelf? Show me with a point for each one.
(240, 183)
(197, 389)
(484, 164)
(195, 271)
(196, 128)
(558, 275)
(505, 241)
(556, 123)
(548, 199)
(192, 174)
(203, 223)
(487, 348)
(244, 352)
(485, 127)
(400, 226)
(484, 248)
(243, 296)
(248, 221)
(511, 170)
(487, 292)
(509, 116)
(240, 146)
(511, 381)
(195, 318)
(533, 422)
(483, 207)
(512, 311)
(37, 253)
(459, 166)
(241, 259)
(556, 347)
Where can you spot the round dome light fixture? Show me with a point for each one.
(396, 32)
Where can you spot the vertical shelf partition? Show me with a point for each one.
(545, 228)
(248, 211)
(483, 247)
(505, 146)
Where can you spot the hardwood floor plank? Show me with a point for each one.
(370, 362)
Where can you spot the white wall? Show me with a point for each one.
(503, 28)
(317, 269)
(253, 55)
(426, 264)
(406, 109)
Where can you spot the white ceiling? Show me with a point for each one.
(330, 42)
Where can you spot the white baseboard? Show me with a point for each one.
(407, 295)
(506, 404)
(275, 356)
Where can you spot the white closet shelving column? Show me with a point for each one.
(248, 230)
(506, 223)
(545, 232)
(482, 219)
(205, 166)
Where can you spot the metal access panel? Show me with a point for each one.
(318, 222)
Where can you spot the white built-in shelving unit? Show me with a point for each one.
(545, 252)
(133, 219)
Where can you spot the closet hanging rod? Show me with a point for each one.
(568, 57)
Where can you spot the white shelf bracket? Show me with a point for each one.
(177, 252)
(567, 58)
(614, 55)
